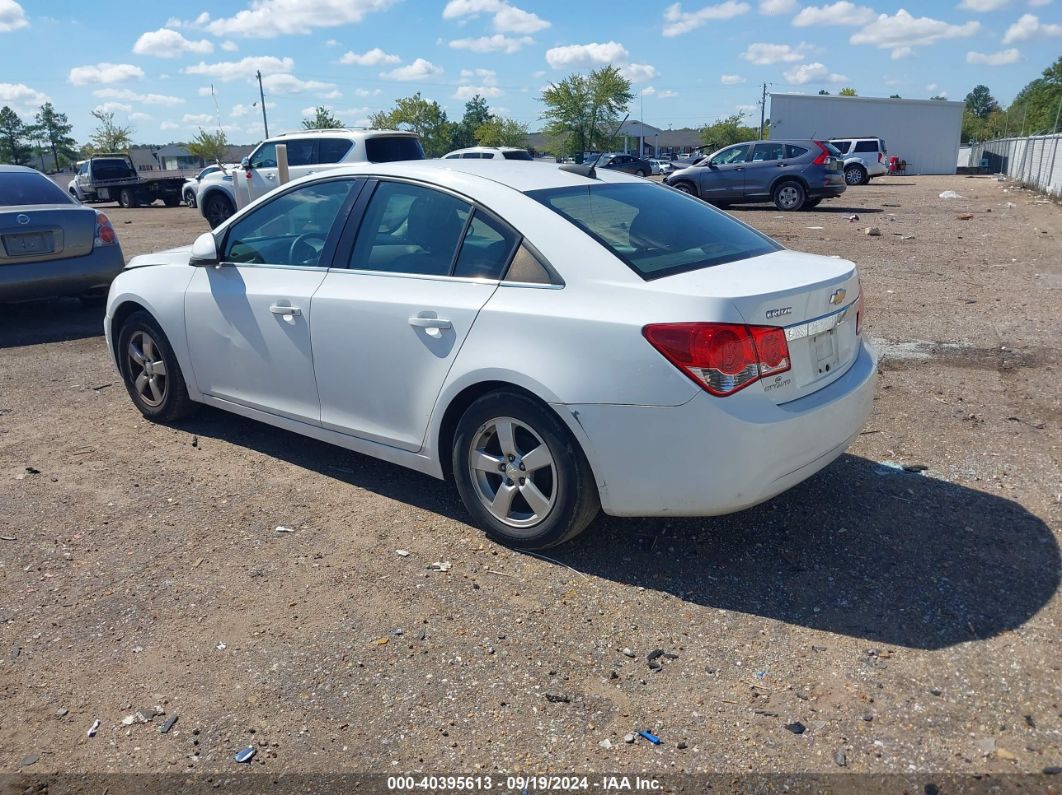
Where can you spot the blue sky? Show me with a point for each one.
(690, 62)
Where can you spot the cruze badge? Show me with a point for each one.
(837, 296)
(22, 219)
(785, 310)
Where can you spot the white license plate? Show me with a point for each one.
(28, 243)
(824, 349)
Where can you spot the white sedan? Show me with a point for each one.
(555, 340)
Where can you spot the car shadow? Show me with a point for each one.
(860, 549)
(52, 320)
(822, 208)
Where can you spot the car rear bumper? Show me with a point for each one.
(91, 273)
(714, 456)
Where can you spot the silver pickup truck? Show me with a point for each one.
(114, 178)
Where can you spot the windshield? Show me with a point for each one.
(20, 188)
(656, 231)
(386, 149)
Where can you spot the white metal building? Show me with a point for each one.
(924, 132)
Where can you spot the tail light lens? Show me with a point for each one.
(859, 312)
(721, 358)
(824, 155)
(105, 234)
(879, 157)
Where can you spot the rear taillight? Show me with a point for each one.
(824, 155)
(879, 157)
(105, 235)
(859, 312)
(721, 358)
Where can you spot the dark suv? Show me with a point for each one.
(792, 174)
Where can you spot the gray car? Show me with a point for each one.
(793, 174)
(50, 245)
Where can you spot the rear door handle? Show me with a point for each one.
(433, 326)
(277, 309)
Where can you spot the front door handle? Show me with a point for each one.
(270, 176)
(433, 326)
(277, 309)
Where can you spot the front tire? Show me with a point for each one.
(217, 210)
(856, 175)
(789, 196)
(639, 173)
(521, 473)
(150, 370)
(685, 187)
(189, 200)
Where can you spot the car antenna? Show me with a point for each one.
(582, 169)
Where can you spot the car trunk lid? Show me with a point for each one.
(39, 233)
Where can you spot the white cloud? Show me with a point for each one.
(982, 5)
(812, 73)
(1030, 27)
(113, 107)
(244, 68)
(667, 93)
(839, 13)
(21, 97)
(766, 54)
(138, 116)
(506, 18)
(648, 91)
(104, 73)
(12, 16)
(420, 68)
(197, 118)
(678, 21)
(495, 43)
(577, 55)
(229, 46)
(902, 32)
(166, 43)
(1000, 58)
(773, 8)
(169, 125)
(364, 92)
(373, 57)
(638, 72)
(289, 84)
(486, 76)
(132, 96)
(1039, 2)
(465, 93)
(239, 110)
(731, 80)
(266, 19)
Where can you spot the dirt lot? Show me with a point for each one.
(910, 622)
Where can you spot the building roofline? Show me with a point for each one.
(834, 97)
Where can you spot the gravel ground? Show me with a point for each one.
(908, 622)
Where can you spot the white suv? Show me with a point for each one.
(489, 153)
(309, 151)
(863, 158)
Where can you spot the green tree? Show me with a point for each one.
(823, 92)
(980, 102)
(940, 98)
(53, 128)
(323, 119)
(426, 119)
(730, 130)
(210, 147)
(847, 92)
(1040, 100)
(477, 113)
(109, 136)
(895, 96)
(499, 131)
(583, 111)
(13, 134)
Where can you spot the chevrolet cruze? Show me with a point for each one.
(555, 340)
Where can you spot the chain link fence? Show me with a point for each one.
(1035, 161)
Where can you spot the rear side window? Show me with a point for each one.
(300, 152)
(386, 149)
(792, 150)
(763, 152)
(656, 231)
(866, 146)
(521, 155)
(28, 187)
(486, 249)
(842, 146)
(332, 150)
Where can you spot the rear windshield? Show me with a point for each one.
(400, 147)
(21, 187)
(111, 168)
(656, 231)
(519, 155)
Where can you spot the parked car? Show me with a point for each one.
(309, 151)
(114, 178)
(713, 370)
(628, 164)
(793, 174)
(864, 158)
(191, 187)
(661, 166)
(489, 153)
(52, 246)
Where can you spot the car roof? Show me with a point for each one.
(342, 132)
(487, 149)
(18, 170)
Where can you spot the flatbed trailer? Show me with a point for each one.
(115, 178)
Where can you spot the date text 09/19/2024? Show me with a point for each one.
(521, 784)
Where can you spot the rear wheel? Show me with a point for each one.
(127, 198)
(639, 173)
(789, 196)
(150, 370)
(218, 210)
(521, 474)
(171, 201)
(855, 175)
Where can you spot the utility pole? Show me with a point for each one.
(261, 95)
(1058, 113)
(763, 109)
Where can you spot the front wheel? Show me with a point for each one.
(789, 196)
(127, 198)
(150, 370)
(639, 173)
(521, 473)
(189, 200)
(685, 187)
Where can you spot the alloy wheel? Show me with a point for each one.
(513, 472)
(789, 196)
(853, 176)
(147, 369)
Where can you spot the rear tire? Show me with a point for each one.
(150, 370)
(639, 173)
(171, 201)
(127, 198)
(855, 175)
(789, 196)
(218, 209)
(521, 473)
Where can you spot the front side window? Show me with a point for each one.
(332, 150)
(765, 152)
(486, 249)
(656, 231)
(265, 156)
(292, 229)
(735, 154)
(409, 229)
(300, 152)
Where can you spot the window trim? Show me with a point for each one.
(328, 253)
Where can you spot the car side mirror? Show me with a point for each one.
(246, 163)
(204, 251)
